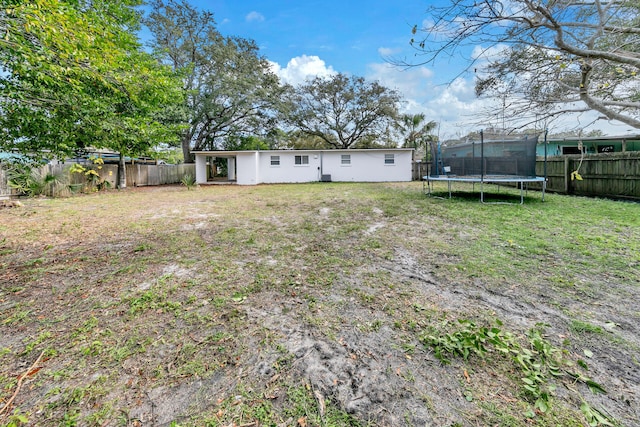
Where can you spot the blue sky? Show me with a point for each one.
(347, 34)
(304, 39)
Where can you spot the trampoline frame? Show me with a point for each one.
(483, 177)
(494, 179)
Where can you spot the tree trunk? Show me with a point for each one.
(122, 172)
(186, 149)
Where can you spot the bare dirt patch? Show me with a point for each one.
(311, 305)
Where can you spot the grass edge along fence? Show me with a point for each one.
(138, 175)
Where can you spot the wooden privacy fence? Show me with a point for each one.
(5, 191)
(137, 175)
(141, 175)
(605, 174)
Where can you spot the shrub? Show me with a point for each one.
(33, 181)
(189, 181)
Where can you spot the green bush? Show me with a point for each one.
(189, 181)
(32, 181)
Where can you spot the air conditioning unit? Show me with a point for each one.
(325, 178)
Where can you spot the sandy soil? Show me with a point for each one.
(353, 340)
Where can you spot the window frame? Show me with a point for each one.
(345, 159)
(389, 159)
(304, 160)
(275, 161)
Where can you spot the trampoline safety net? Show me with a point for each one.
(510, 157)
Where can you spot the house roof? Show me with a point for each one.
(330, 150)
(12, 157)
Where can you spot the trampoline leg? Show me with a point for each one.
(449, 188)
(522, 193)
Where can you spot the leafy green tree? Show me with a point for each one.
(278, 139)
(230, 89)
(550, 57)
(75, 77)
(343, 111)
(299, 140)
(417, 134)
(241, 143)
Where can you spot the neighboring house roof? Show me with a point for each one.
(593, 138)
(13, 157)
(592, 144)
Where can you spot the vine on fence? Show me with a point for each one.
(93, 180)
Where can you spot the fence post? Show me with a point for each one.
(567, 175)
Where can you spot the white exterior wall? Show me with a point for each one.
(255, 167)
(247, 168)
(367, 166)
(287, 170)
(201, 170)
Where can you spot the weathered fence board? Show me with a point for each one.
(5, 190)
(605, 174)
(137, 175)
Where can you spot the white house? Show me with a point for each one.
(289, 166)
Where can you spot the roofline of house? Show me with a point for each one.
(311, 150)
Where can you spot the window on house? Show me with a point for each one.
(275, 160)
(302, 160)
(345, 159)
(389, 159)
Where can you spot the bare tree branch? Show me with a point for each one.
(551, 52)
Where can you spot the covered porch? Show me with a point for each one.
(216, 169)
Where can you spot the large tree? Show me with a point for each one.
(343, 111)
(416, 131)
(548, 57)
(230, 89)
(74, 76)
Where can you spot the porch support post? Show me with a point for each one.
(231, 168)
(201, 169)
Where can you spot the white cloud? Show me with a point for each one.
(412, 82)
(388, 51)
(302, 68)
(454, 106)
(489, 53)
(254, 17)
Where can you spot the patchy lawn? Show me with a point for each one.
(318, 305)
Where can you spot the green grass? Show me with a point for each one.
(141, 295)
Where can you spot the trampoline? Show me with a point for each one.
(510, 162)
